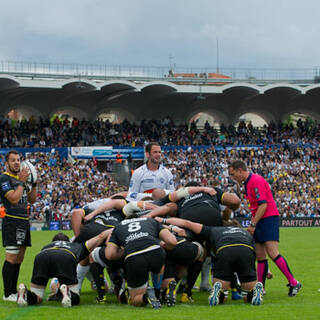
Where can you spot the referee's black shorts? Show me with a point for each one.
(239, 259)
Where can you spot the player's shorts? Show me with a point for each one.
(267, 229)
(239, 259)
(183, 254)
(89, 231)
(54, 263)
(137, 267)
(16, 232)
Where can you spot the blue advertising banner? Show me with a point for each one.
(54, 225)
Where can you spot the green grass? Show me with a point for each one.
(298, 245)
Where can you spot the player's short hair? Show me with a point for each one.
(60, 237)
(238, 164)
(150, 145)
(232, 223)
(9, 153)
(193, 184)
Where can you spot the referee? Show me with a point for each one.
(15, 226)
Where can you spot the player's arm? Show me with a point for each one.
(97, 240)
(14, 196)
(169, 240)
(133, 207)
(193, 226)
(32, 195)
(170, 184)
(135, 182)
(112, 204)
(113, 252)
(188, 191)
(169, 209)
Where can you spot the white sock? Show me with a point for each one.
(81, 273)
(205, 271)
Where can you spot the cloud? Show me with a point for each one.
(250, 33)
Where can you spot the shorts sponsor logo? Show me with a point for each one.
(20, 236)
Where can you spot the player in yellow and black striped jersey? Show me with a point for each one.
(15, 226)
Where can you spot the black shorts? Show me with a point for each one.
(137, 267)
(89, 231)
(16, 232)
(184, 254)
(54, 263)
(239, 259)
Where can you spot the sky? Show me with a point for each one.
(180, 33)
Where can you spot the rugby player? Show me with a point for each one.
(98, 223)
(235, 252)
(152, 174)
(15, 196)
(264, 224)
(138, 241)
(58, 259)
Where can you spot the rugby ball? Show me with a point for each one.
(33, 176)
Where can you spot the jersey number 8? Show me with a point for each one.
(134, 226)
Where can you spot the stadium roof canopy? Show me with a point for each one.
(135, 101)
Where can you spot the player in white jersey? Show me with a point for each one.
(152, 174)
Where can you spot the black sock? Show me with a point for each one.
(16, 276)
(98, 276)
(250, 296)
(193, 273)
(157, 293)
(75, 298)
(31, 298)
(8, 276)
(145, 298)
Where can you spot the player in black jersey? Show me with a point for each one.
(58, 259)
(197, 204)
(235, 252)
(15, 197)
(187, 255)
(138, 241)
(98, 223)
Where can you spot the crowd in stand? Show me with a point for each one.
(292, 168)
(64, 133)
